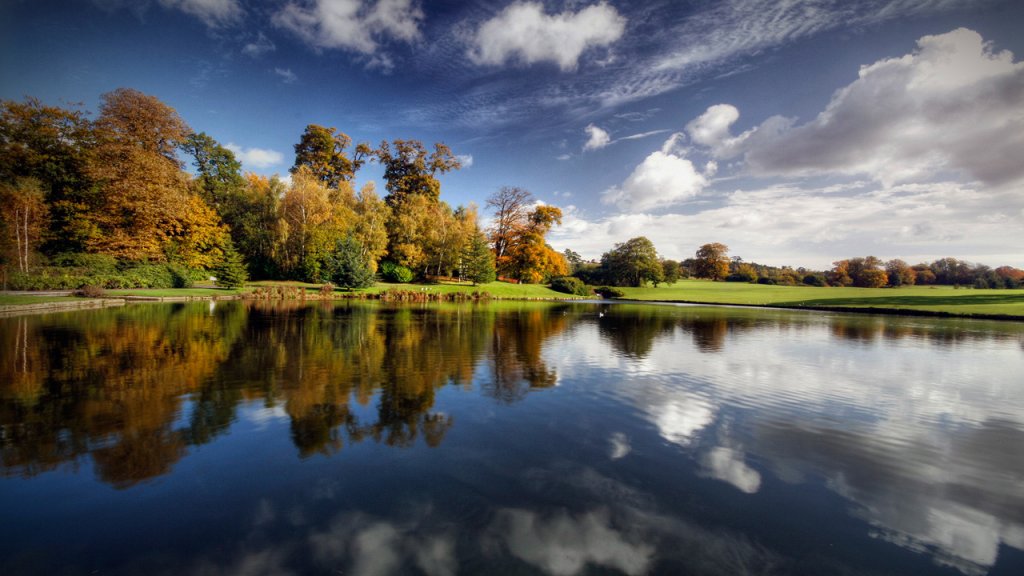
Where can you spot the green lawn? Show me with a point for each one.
(495, 289)
(944, 299)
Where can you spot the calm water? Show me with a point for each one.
(508, 439)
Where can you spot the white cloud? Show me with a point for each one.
(465, 159)
(619, 446)
(523, 32)
(565, 545)
(664, 178)
(286, 74)
(953, 105)
(258, 47)
(213, 13)
(597, 138)
(255, 157)
(728, 465)
(354, 25)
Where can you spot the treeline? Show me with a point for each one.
(109, 201)
(636, 263)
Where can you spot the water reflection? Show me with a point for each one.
(558, 440)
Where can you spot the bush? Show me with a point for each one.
(740, 277)
(814, 280)
(395, 273)
(570, 285)
(609, 292)
(181, 277)
(90, 291)
(327, 290)
(766, 280)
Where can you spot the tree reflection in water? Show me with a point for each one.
(113, 384)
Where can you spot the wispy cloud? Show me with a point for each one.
(258, 47)
(213, 13)
(286, 75)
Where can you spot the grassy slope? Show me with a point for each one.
(496, 289)
(173, 292)
(926, 298)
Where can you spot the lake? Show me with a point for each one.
(508, 438)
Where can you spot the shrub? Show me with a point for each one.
(609, 292)
(90, 291)
(766, 280)
(327, 290)
(181, 277)
(395, 273)
(740, 277)
(814, 280)
(570, 285)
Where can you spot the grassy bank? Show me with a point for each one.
(929, 299)
(20, 299)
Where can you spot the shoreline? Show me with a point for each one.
(841, 309)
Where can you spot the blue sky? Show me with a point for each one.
(796, 132)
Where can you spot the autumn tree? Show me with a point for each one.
(23, 217)
(511, 206)
(410, 170)
(51, 145)
(528, 257)
(323, 152)
(145, 209)
(861, 272)
(712, 261)
(257, 228)
(370, 228)
(632, 263)
(315, 218)
(900, 273)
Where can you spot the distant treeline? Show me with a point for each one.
(636, 262)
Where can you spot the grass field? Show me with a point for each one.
(495, 289)
(173, 292)
(942, 299)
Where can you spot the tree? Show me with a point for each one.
(900, 273)
(478, 260)
(528, 258)
(322, 151)
(511, 207)
(347, 267)
(219, 176)
(143, 188)
(632, 263)
(370, 227)
(670, 271)
(840, 274)
(52, 145)
(23, 216)
(231, 272)
(573, 258)
(712, 261)
(409, 170)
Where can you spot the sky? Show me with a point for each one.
(797, 132)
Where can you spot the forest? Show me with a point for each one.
(108, 201)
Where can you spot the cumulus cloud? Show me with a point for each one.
(728, 465)
(597, 138)
(355, 25)
(953, 105)
(465, 159)
(524, 32)
(255, 157)
(664, 178)
(213, 13)
(564, 545)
